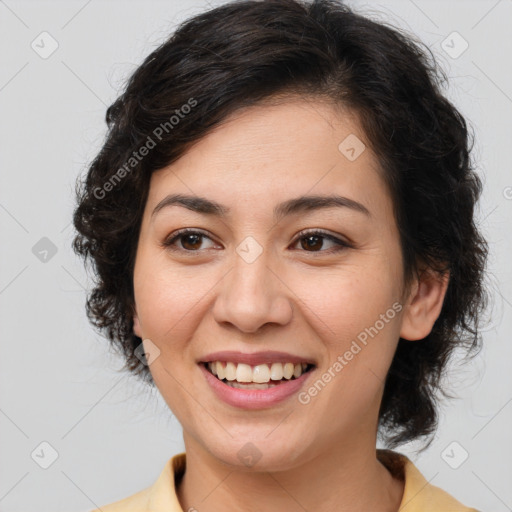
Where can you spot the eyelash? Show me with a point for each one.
(340, 244)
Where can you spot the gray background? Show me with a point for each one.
(60, 384)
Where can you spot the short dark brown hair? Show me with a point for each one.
(245, 52)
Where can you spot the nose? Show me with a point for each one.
(252, 295)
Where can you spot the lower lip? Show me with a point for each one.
(254, 398)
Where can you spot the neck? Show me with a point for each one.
(348, 478)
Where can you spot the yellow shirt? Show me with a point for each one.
(419, 495)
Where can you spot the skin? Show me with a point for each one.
(297, 298)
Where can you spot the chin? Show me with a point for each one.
(257, 453)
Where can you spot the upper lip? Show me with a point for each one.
(255, 358)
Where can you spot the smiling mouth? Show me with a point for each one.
(262, 376)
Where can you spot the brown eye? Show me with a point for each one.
(314, 241)
(190, 240)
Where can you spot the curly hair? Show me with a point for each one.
(244, 53)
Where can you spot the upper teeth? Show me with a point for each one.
(261, 373)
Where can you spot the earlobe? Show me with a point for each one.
(424, 306)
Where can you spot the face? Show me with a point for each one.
(322, 284)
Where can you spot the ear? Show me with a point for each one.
(424, 304)
(136, 325)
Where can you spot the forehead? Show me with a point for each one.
(272, 152)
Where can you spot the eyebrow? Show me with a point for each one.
(290, 207)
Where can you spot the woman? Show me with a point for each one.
(282, 225)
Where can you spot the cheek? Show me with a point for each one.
(357, 315)
(162, 311)
(150, 297)
(358, 323)
(346, 302)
